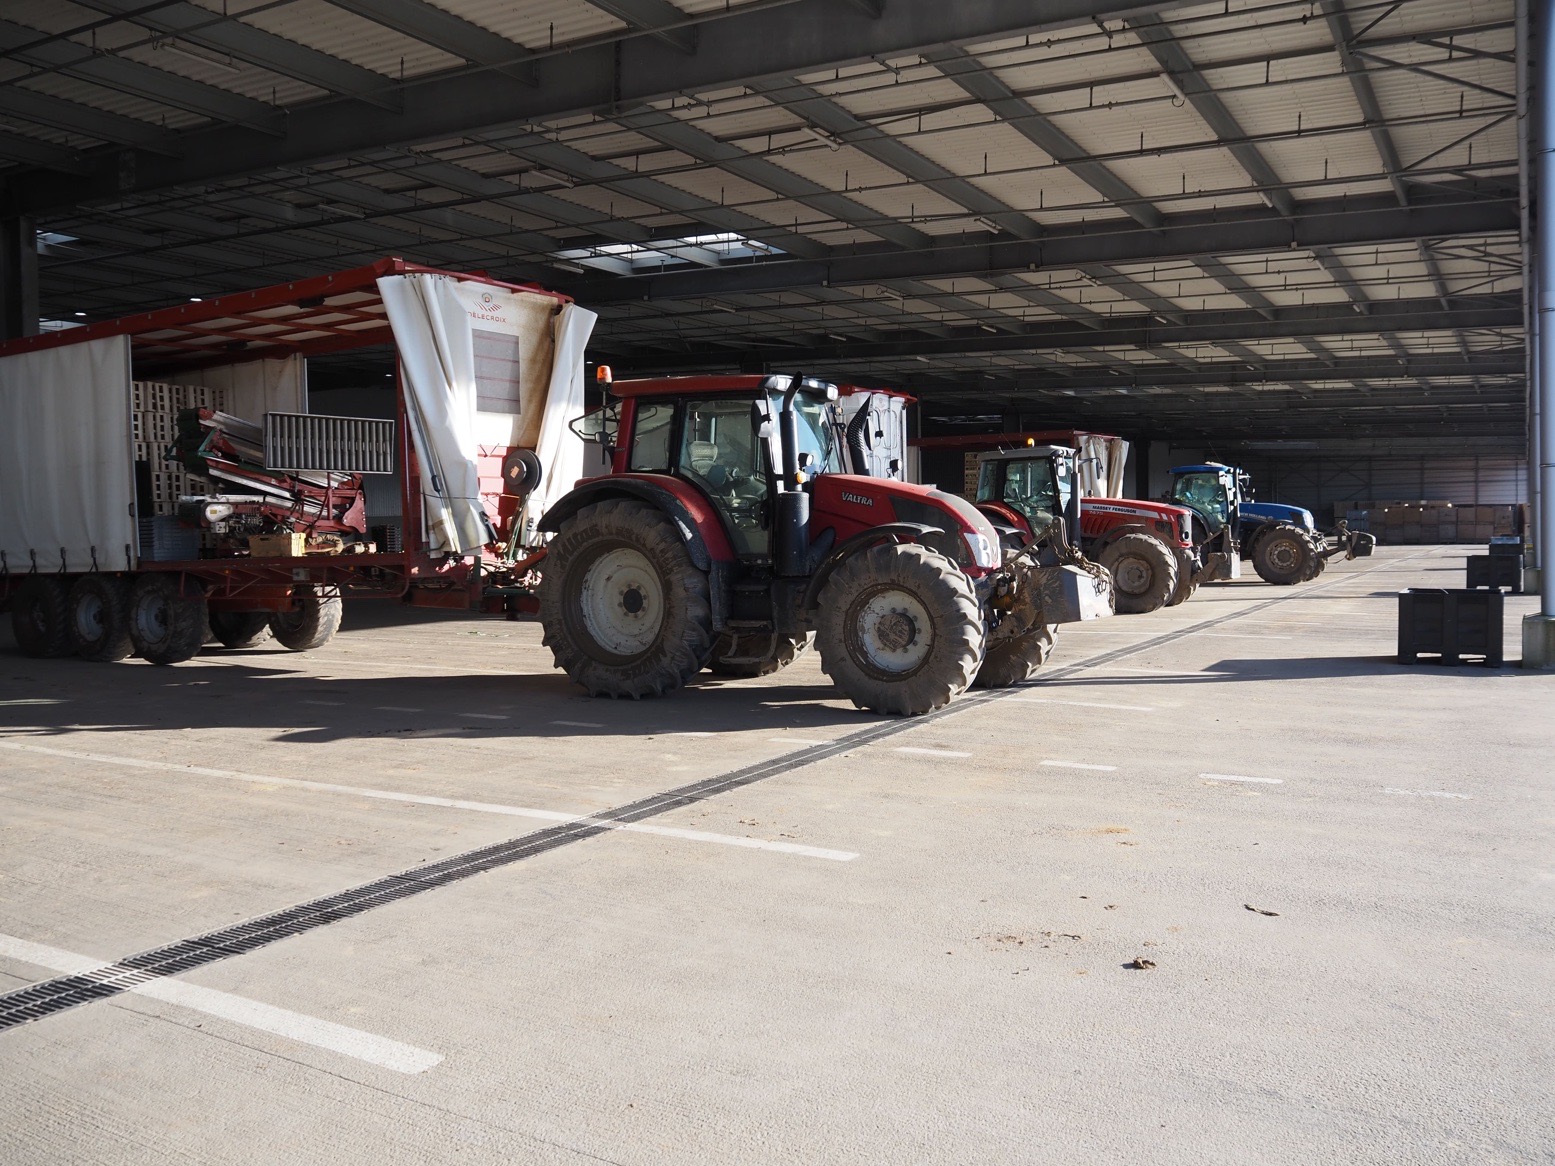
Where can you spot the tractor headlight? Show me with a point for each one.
(984, 552)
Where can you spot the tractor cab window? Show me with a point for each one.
(651, 437)
(817, 437)
(1030, 490)
(1206, 494)
(721, 453)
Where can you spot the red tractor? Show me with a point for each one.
(728, 535)
(1147, 546)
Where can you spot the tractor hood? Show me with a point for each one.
(1277, 512)
(1136, 506)
(852, 503)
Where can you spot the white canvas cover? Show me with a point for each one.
(437, 363)
(67, 479)
(559, 449)
(1102, 461)
(255, 387)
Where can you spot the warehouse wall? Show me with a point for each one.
(1317, 482)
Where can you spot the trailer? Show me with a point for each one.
(162, 479)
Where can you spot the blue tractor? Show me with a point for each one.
(1283, 542)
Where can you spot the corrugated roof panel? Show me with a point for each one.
(536, 24)
(327, 29)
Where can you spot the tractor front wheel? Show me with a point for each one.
(625, 611)
(1144, 573)
(755, 654)
(1016, 658)
(1283, 556)
(899, 629)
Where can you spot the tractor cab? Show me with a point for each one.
(1212, 491)
(1024, 491)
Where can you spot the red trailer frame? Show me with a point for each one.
(308, 317)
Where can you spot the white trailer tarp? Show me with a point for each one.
(1101, 463)
(67, 496)
(559, 449)
(437, 361)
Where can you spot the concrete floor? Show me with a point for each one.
(910, 946)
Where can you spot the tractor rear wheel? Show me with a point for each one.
(1283, 556)
(311, 624)
(899, 629)
(40, 616)
(1016, 658)
(1185, 584)
(100, 618)
(167, 624)
(240, 629)
(755, 654)
(1144, 573)
(625, 611)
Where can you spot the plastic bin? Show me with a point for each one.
(1450, 623)
(1495, 571)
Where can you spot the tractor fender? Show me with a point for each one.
(702, 533)
(891, 531)
(1114, 533)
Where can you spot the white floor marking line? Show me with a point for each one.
(1239, 777)
(1244, 636)
(396, 708)
(30, 700)
(580, 724)
(1079, 765)
(1089, 704)
(310, 1030)
(1424, 793)
(334, 704)
(486, 716)
(930, 752)
(384, 795)
(1164, 671)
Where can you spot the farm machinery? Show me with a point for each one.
(1282, 541)
(1147, 546)
(728, 535)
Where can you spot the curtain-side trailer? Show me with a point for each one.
(162, 480)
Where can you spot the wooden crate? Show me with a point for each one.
(277, 546)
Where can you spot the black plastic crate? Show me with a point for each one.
(1507, 545)
(1451, 624)
(1495, 571)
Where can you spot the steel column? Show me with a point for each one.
(1539, 630)
(18, 277)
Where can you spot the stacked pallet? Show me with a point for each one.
(1404, 523)
(154, 407)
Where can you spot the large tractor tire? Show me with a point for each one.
(100, 618)
(1283, 556)
(756, 654)
(240, 629)
(311, 624)
(1185, 585)
(899, 629)
(1144, 573)
(1017, 658)
(625, 610)
(167, 625)
(40, 617)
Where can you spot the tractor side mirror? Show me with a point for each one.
(761, 420)
(599, 426)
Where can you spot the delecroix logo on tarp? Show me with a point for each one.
(487, 308)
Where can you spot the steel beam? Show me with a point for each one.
(766, 41)
(659, 17)
(442, 30)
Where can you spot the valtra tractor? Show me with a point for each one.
(727, 534)
(1147, 546)
(1282, 541)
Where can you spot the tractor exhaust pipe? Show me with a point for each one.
(793, 504)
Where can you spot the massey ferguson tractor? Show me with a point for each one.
(1282, 541)
(727, 534)
(1147, 546)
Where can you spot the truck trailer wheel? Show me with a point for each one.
(167, 625)
(899, 629)
(100, 618)
(1283, 556)
(1016, 658)
(755, 654)
(625, 611)
(1144, 573)
(312, 625)
(40, 617)
(240, 629)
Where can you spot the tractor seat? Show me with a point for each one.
(703, 456)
